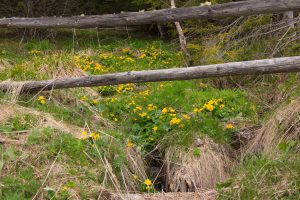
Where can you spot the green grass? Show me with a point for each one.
(260, 177)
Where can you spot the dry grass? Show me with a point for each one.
(283, 126)
(44, 119)
(203, 195)
(135, 167)
(186, 172)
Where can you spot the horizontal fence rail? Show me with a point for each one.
(241, 8)
(267, 66)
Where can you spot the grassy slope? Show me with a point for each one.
(142, 115)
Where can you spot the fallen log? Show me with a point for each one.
(267, 66)
(241, 8)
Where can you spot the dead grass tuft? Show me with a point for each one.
(187, 172)
(283, 126)
(135, 171)
(44, 119)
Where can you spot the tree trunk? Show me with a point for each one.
(276, 65)
(240, 8)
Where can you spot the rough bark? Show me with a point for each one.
(244, 8)
(267, 66)
(289, 17)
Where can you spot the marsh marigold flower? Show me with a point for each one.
(42, 99)
(164, 111)
(175, 120)
(95, 101)
(148, 182)
(84, 134)
(155, 128)
(229, 126)
(95, 136)
(143, 114)
(187, 117)
(129, 144)
(209, 107)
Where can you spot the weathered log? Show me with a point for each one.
(240, 8)
(267, 66)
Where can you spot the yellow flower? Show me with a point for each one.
(34, 52)
(116, 119)
(155, 128)
(144, 93)
(209, 107)
(142, 56)
(137, 108)
(148, 182)
(42, 99)
(84, 98)
(84, 134)
(175, 121)
(113, 100)
(43, 102)
(211, 102)
(187, 117)
(95, 101)
(197, 110)
(222, 106)
(164, 111)
(203, 85)
(229, 126)
(171, 110)
(95, 136)
(125, 50)
(65, 188)
(143, 114)
(132, 103)
(151, 107)
(129, 144)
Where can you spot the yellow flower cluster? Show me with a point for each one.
(87, 64)
(175, 120)
(203, 85)
(144, 93)
(166, 110)
(94, 136)
(124, 88)
(151, 54)
(35, 52)
(151, 107)
(211, 105)
(42, 100)
(105, 55)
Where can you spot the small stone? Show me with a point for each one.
(198, 143)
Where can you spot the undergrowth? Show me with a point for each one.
(111, 121)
